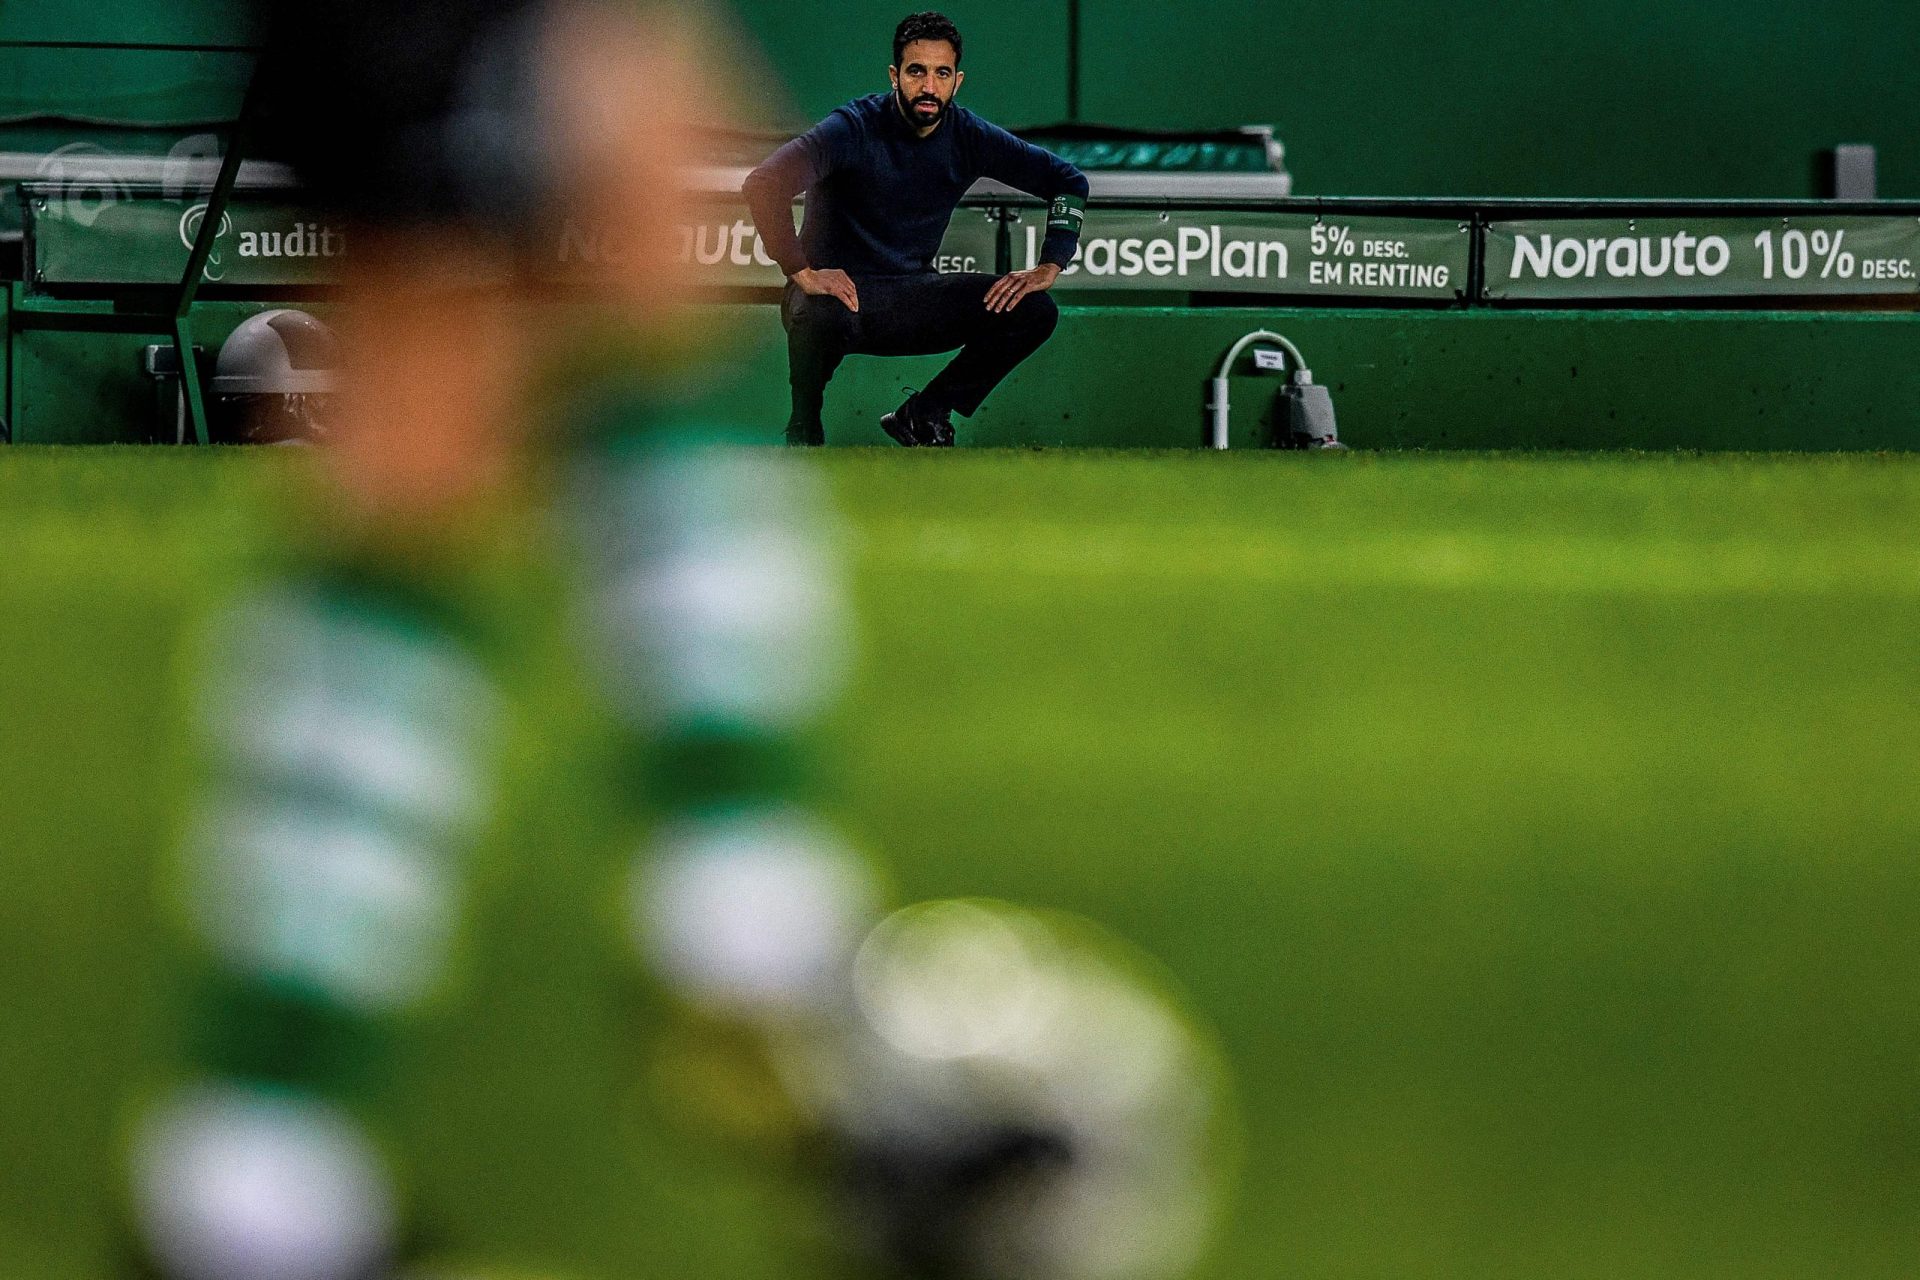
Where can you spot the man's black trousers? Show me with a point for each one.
(910, 316)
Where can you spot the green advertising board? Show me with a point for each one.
(728, 252)
(108, 239)
(142, 240)
(264, 243)
(1556, 260)
(1251, 251)
(145, 240)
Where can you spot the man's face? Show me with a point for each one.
(925, 81)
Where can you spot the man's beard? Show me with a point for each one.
(908, 110)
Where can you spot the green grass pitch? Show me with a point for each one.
(1542, 834)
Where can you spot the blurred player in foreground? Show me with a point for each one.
(991, 1093)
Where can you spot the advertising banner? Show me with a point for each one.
(1653, 258)
(144, 240)
(1256, 252)
(140, 240)
(262, 244)
(730, 254)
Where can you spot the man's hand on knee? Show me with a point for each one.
(829, 283)
(1008, 290)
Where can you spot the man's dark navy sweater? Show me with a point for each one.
(879, 196)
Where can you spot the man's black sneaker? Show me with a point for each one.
(915, 425)
(899, 425)
(806, 433)
(942, 424)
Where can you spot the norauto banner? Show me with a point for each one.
(1255, 252)
(730, 254)
(1652, 258)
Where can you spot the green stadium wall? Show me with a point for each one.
(1635, 98)
(90, 388)
(120, 87)
(6, 365)
(1137, 377)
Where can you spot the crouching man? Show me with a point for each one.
(883, 175)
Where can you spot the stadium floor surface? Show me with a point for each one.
(1540, 833)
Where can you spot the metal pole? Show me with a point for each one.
(203, 243)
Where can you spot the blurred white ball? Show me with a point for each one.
(238, 1184)
(758, 913)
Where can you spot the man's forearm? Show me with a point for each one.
(1040, 172)
(1065, 215)
(769, 191)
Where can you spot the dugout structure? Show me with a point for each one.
(80, 181)
(1437, 323)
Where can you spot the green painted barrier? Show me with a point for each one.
(1135, 377)
(68, 387)
(1425, 372)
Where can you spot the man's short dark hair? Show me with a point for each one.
(925, 26)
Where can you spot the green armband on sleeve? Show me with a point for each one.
(1066, 214)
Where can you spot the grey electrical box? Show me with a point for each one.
(1309, 420)
(161, 363)
(1850, 172)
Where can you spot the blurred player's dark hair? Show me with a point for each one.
(406, 111)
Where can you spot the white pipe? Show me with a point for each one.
(1260, 335)
(1222, 409)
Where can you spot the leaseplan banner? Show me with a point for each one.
(1652, 258)
(1254, 252)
